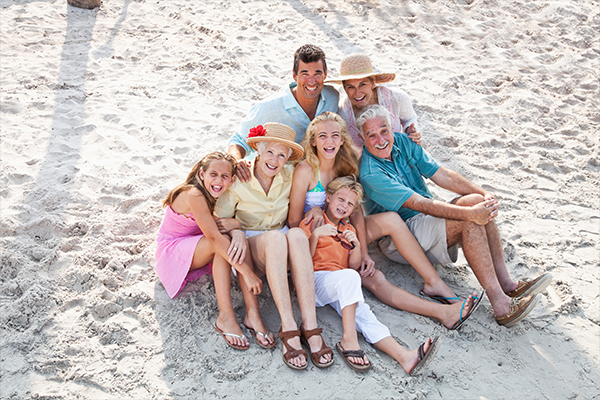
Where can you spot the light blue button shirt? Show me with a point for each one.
(283, 108)
(388, 184)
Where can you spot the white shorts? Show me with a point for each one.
(430, 232)
(343, 288)
(250, 233)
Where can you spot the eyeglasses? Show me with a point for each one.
(343, 242)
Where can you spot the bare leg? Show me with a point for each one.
(398, 298)
(498, 257)
(226, 321)
(477, 250)
(270, 253)
(408, 359)
(350, 339)
(304, 281)
(203, 254)
(390, 223)
(253, 318)
(494, 244)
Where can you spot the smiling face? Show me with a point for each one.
(378, 137)
(341, 203)
(218, 177)
(328, 139)
(361, 92)
(310, 79)
(272, 158)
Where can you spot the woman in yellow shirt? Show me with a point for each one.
(260, 207)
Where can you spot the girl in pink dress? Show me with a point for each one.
(189, 239)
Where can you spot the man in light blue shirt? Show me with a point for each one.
(393, 172)
(295, 107)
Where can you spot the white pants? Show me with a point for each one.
(343, 288)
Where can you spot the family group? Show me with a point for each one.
(307, 183)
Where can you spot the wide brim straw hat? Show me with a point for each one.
(358, 66)
(277, 133)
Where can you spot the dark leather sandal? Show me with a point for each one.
(316, 356)
(290, 351)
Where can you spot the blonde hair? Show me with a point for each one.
(349, 182)
(345, 160)
(193, 178)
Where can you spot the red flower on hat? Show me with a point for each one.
(257, 131)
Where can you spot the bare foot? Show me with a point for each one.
(413, 359)
(299, 361)
(316, 342)
(353, 345)
(230, 326)
(442, 291)
(264, 336)
(452, 313)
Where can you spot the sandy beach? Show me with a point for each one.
(103, 111)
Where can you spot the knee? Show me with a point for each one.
(275, 238)
(392, 219)
(296, 237)
(468, 200)
(349, 278)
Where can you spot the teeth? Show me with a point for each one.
(382, 146)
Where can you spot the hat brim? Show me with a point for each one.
(297, 150)
(379, 78)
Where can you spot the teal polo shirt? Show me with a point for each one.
(388, 184)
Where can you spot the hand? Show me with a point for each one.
(489, 196)
(325, 230)
(238, 247)
(243, 171)
(316, 214)
(351, 237)
(485, 211)
(253, 282)
(413, 134)
(367, 266)
(226, 225)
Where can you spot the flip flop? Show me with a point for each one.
(233, 335)
(264, 336)
(462, 320)
(440, 299)
(353, 353)
(425, 358)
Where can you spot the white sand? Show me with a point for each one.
(103, 111)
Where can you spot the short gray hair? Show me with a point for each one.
(261, 146)
(370, 112)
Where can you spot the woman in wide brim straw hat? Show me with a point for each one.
(361, 85)
(260, 208)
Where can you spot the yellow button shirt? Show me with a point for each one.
(255, 210)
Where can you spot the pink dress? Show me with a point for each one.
(177, 238)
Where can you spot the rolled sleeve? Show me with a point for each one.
(226, 204)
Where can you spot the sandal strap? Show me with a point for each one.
(288, 334)
(353, 353)
(310, 333)
(290, 351)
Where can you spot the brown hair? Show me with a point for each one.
(345, 160)
(349, 182)
(193, 178)
(309, 53)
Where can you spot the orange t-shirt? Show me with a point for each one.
(329, 254)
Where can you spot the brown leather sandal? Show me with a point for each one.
(290, 351)
(316, 356)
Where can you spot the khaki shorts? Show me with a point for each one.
(430, 232)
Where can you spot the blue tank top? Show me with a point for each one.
(316, 196)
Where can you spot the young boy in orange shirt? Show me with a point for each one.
(336, 256)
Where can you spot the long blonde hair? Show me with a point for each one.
(193, 179)
(345, 160)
